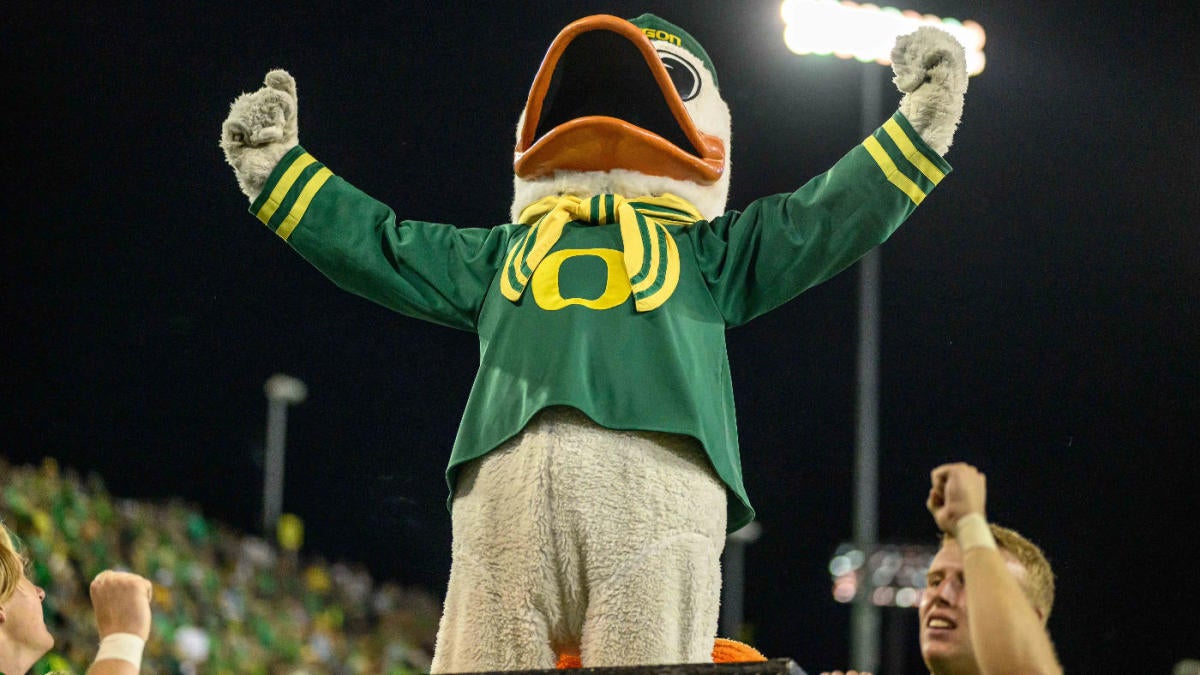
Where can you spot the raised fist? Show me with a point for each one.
(260, 129)
(121, 602)
(931, 70)
(956, 490)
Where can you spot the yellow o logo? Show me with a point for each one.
(545, 287)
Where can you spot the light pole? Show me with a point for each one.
(282, 391)
(867, 33)
(864, 615)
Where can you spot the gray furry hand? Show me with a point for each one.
(261, 128)
(927, 55)
(931, 69)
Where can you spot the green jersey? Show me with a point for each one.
(574, 337)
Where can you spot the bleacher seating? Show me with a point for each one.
(224, 602)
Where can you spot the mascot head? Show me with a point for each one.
(626, 107)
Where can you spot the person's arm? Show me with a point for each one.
(121, 602)
(1006, 632)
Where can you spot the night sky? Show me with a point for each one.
(1039, 313)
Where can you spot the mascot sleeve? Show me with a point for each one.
(781, 245)
(429, 271)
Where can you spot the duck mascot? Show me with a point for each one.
(596, 469)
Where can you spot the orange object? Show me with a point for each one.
(600, 143)
(724, 651)
(732, 651)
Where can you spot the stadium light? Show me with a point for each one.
(867, 32)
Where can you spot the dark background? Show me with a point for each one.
(1039, 310)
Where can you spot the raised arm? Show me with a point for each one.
(121, 602)
(1007, 633)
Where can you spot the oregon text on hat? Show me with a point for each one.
(662, 36)
(657, 28)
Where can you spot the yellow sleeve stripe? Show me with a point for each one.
(267, 210)
(306, 196)
(910, 151)
(893, 174)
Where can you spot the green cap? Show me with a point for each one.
(660, 29)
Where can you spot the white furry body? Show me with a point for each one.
(576, 537)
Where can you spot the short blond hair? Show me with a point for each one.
(12, 565)
(1038, 583)
(1039, 577)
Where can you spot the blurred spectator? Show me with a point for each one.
(224, 602)
(120, 602)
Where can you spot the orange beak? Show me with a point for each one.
(602, 100)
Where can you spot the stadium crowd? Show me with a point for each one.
(224, 602)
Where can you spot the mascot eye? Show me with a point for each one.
(683, 75)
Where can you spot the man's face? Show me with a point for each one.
(23, 620)
(944, 633)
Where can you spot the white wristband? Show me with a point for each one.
(124, 646)
(972, 531)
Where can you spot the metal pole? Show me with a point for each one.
(864, 616)
(282, 391)
(273, 467)
(897, 621)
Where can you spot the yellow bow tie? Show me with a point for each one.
(650, 254)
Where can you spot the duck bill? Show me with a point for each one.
(603, 100)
